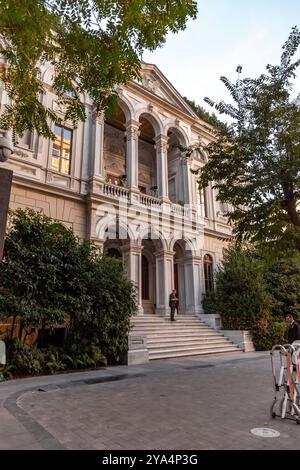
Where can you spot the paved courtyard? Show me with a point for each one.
(197, 403)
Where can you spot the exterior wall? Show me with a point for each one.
(101, 154)
(70, 212)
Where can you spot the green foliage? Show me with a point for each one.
(24, 359)
(254, 291)
(6, 372)
(210, 302)
(54, 363)
(241, 296)
(283, 284)
(268, 333)
(211, 119)
(91, 45)
(48, 276)
(255, 161)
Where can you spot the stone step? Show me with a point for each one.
(150, 331)
(188, 336)
(190, 347)
(167, 322)
(185, 341)
(166, 336)
(186, 353)
(164, 320)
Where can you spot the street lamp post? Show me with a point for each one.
(6, 149)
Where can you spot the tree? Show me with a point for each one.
(240, 296)
(283, 284)
(204, 115)
(48, 277)
(93, 45)
(254, 162)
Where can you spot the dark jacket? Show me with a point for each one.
(172, 300)
(293, 332)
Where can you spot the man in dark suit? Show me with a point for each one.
(172, 303)
(293, 329)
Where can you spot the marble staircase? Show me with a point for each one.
(187, 336)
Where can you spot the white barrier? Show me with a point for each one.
(2, 353)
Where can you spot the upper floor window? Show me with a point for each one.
(204, 200)
(25, 140)
(61, 150)
(208, 273)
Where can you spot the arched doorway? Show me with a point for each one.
(148, 277)
(179, 273)
(208, 272)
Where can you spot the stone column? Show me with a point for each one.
(161, 145)
(132, 257)
(94, 166)
(192, 278)
(98, 153)
(132, 135)
(164, 280)
(186, 179)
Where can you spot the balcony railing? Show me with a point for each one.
(180, 211)
(150, 201)
(114, 191)
(119, 192)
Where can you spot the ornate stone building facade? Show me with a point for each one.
(124, 183)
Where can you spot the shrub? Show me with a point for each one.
(24, 359)
(266, 334)
(49, 277)
(283, 284)
(241, 296)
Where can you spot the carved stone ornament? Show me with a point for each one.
(21, 153)
(132, 133)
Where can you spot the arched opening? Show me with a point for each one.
(179, 273)
(208, 273)
(177, 174)
(148, 277)
(115, 157)
(145, 278)
(147, 170)
(204, 201)
(113, 253)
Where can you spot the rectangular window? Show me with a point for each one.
(62, 149)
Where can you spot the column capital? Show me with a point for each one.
(132, 130)
(98, 117)
(164, 253)
(161, 143)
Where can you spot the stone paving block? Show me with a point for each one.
(173, 405)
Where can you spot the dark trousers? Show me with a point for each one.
(172, 312)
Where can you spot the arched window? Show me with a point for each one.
(208, 273)
(204, 200)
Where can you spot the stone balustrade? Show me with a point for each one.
(150, 201)
(114, 191)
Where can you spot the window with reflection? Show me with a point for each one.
(61, 149)
(208, 273)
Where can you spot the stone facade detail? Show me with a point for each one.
(128, 178)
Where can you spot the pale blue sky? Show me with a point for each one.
(226, 33)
